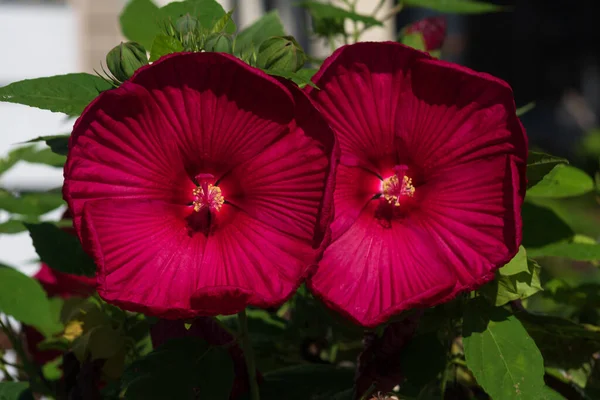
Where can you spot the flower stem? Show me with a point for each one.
(248, 354)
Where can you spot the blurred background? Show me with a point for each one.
(547, 50)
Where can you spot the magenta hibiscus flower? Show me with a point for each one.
(200, 186)
(430, 182)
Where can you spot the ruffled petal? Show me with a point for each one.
(147, 259)
(474, 212)
(118, 149)
(150, 261)
(375, 270)
(360, 87)
(455, 115)
(223, 111)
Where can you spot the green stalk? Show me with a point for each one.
(248, 354)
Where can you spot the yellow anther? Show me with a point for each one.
(213, 199)
(393, 189)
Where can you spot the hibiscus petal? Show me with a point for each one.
(223, 111)
(289, 185)
(474, 210)
(360, 91)
(118, 149)
(455, 115)
(146, 259)
(375, 270)
(149, 260)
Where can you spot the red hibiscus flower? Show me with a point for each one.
(430, 182)
(433, 30)
(200, 186)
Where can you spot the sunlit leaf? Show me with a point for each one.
(502, 356)
(562, 181)
(517, 265)
(164, 45)
(509, 287)
(208, 13)
(23, 298)
(30, 204)
(414, 40)
(139, 21)
(539, 165)
(69, 93)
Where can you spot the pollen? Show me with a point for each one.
(207, 195)
(394, 188)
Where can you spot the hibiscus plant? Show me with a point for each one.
(245, 221)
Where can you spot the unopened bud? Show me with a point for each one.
(281, 53)
(125, 59)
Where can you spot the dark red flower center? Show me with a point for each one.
(397, 186)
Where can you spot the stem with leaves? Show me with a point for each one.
(244, 338)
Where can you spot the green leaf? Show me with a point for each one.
(33, 155)
(456, 6)
(517, 265)
(562, 181)
(539, 165)
(188, 365)
(541, 226)
(142, 20)
(267, 26)
(164, 45)
(69, 93)
(139, 22)
(23, 298)
(13, 226)
(327, 11)
(525, 109)
(500, 353)
(59, 144)
(208, 12)
(549, 394)
(326, 381)
(553, 335)
(30, 204)
(222, 23)
(505, 288)
(60, 250)
(15, 391)
(414, 40)
(570, 250)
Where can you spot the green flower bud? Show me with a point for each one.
(219, 42)
(281, 53)
(125, 59)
